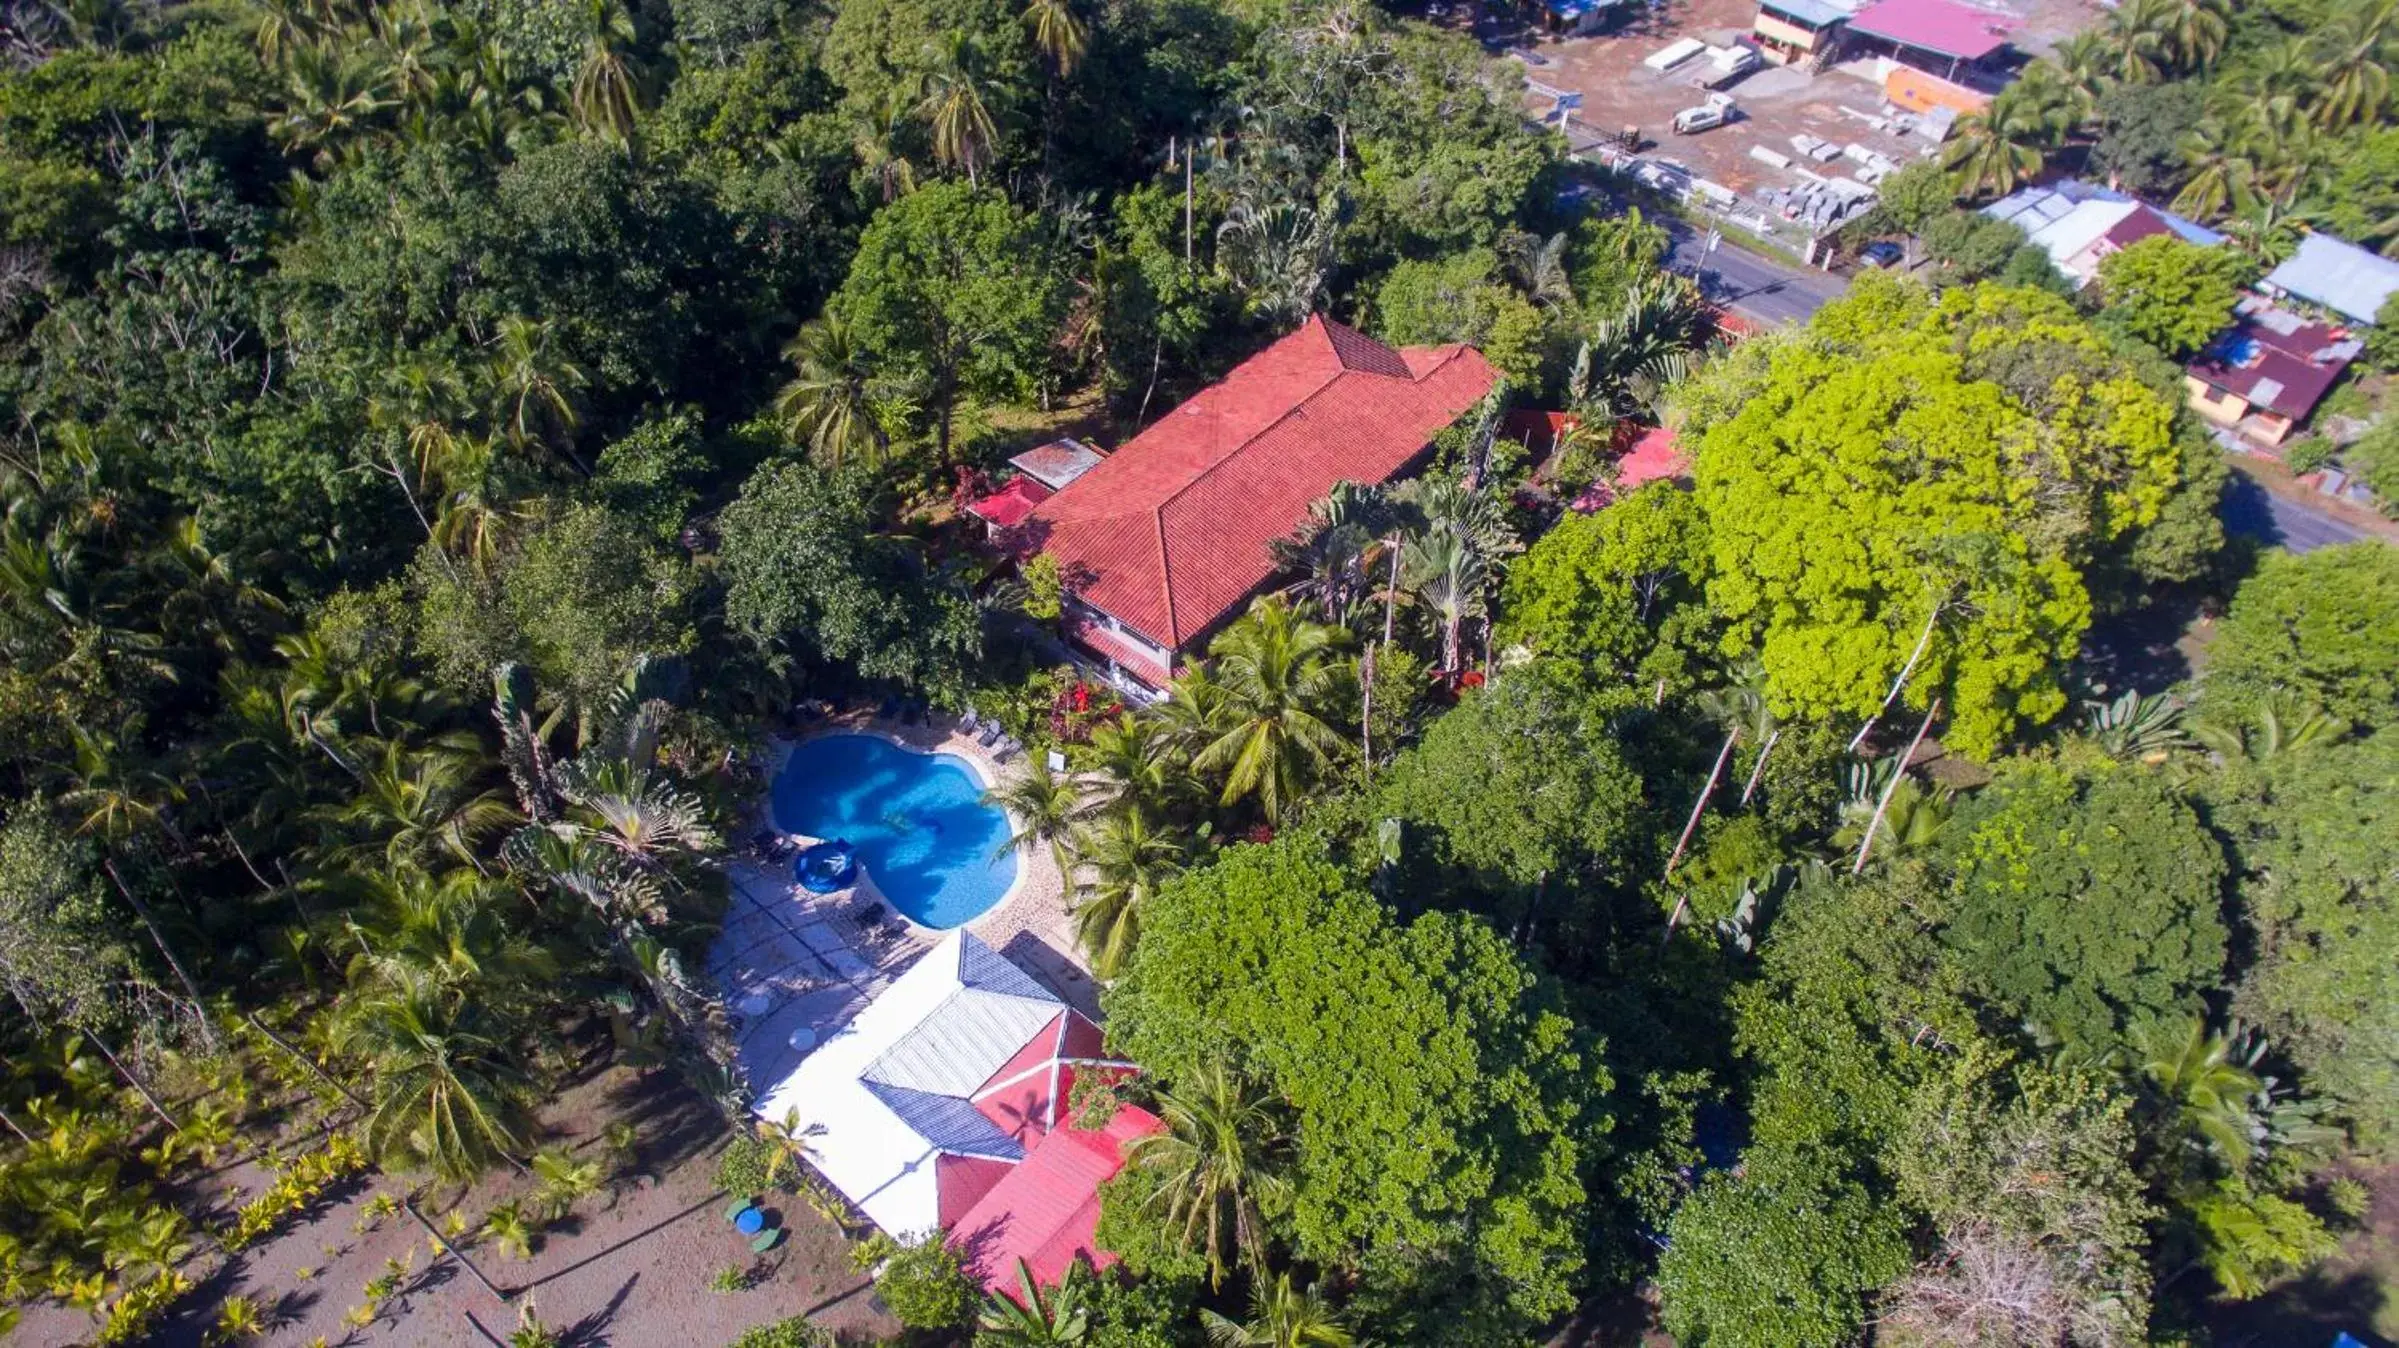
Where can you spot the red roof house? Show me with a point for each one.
(2262, 376)
(1166, 539)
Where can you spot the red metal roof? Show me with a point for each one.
(1170, 533)
(1008, 506)
(2275, 360)
(1962, 31)
(1656, 455)
(1047, 1210)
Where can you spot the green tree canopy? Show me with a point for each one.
(1462, 1154)
(2087, 901)
(2315, 837)
(1623, 588)
(1781, 1261)
(958, 290)
(805, 569)
(1905, 464)
(2171, 293)
(2320, 628)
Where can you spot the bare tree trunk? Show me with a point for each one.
(136, 1082)
(1700, 805)
(1759, 769)
(1191, 154)
(12, 1127)
(1366, 709)
(442, 1241)
(1907, 670)
(208, 1028)
(1891, 788)
(1691, 826)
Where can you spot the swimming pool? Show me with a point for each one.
(917, 820)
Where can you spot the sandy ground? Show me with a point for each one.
(630, 1266)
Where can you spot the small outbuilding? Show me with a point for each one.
(2340, 276)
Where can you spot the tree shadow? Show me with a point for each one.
(2310, 1309)
(592, 1330)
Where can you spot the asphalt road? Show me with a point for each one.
(2252, 511)
(1755, 287)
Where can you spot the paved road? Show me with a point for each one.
(2249, 509)
(1753, 286)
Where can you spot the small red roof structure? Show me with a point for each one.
(1047, 1210)
(1656, 456)
(1170, 535)
(1960, 32)
(1007, 507)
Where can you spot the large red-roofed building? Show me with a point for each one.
(1165, 540)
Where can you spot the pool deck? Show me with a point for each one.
(791, 961)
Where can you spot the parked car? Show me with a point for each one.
(1881, 253)
(1714, 113)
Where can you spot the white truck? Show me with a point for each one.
(1726, 64)
(1714, 113)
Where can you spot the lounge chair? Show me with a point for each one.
(968, 723)
(1005, 748)
(991, 734)
(767, 1240)
(737, 1207)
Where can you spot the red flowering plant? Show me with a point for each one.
(1077, 708)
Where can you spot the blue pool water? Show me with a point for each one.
(918, 821)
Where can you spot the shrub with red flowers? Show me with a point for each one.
(1078, 707)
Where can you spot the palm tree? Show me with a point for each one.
(415, 801)
(1058, 32)
(2196, 31)
(1128, 860)
(955, 104)
(1278, 675)
(332, 93)
(606, 96)
(2001, 146)
(1278, 256)
(2222, 177)
(1032, 1319)
(1217, 1166)
(1280, 1316)
(2355, 77)
(829, 403)
(532, 386)
(877, 145)
(793, 1141)
(1335, 556)
(1538, 267)
(449, 932)
(1043, 805)
(1136, 761)
(563, 1180)
(1630, 359)
(444, 1091)
(2141, 32)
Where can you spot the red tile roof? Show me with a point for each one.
(1656, 456)
(1047, 1210)
(1008, 506)
(1170, 533)
(1128, 655)
(1962, 31)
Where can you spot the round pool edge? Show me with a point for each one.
(779, 756)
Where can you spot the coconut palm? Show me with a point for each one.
(793, 1140)
(1137, 764)
(2354, 71)
(876, 142)
(2000, 147)
(1538, 266)
(1043, 806)
(606, 96)
(532, 386)
(1058, 32)
(507, 1226)
(1033, 1318)
(829, 402)
(1127, 859)
(564, 1180)
(1278, 674)
(417, 801)
(444, 1092)
(956, 104)
(2195, 32)
(450, 931)
(2141, 32)
(1280, 1316)
(2221, 178)
(1217, 1166)
(333, 92)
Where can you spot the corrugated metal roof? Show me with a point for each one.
(1962, 31)
(1813, 13)
(960, 1043)
(949, 1123)
(2340, 276)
